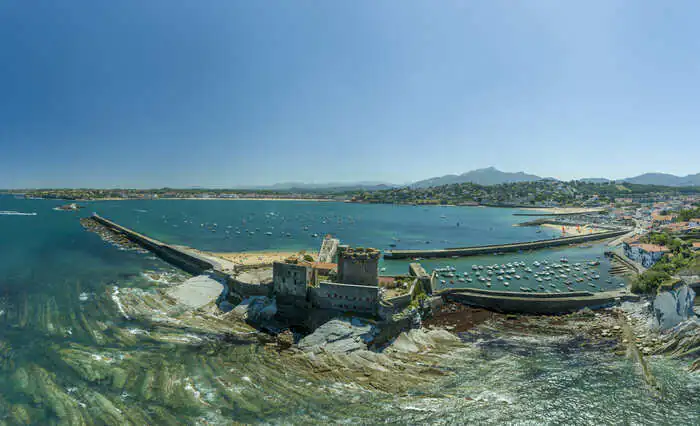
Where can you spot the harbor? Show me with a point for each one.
(540, 288)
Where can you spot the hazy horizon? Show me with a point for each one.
(272, 185)
(240, 94)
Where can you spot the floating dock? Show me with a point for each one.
(502, 248)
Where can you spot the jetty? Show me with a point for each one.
(180, 256)
(503, 248)
(211, 275)
(535, 303)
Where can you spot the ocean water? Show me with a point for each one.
(67, 355)
(303, 224)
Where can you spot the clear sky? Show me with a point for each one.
(134, 93)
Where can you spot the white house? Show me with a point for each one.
(646, 254)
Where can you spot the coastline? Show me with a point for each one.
(205, 199)
(563, 210)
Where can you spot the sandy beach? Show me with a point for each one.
(253, 258)
(573, 230)
(563, 210)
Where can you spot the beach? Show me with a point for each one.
(573, 230)
(255, 258)
(563, 210)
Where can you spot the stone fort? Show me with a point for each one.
(351, 284)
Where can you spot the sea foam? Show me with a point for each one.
(14, 213)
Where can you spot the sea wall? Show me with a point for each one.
(633, 266)
(177, 256)
(536, 303)
(518, 294)
(502, 248)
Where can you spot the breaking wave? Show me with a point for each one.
(14, 213)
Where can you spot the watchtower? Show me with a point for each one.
(359, 266)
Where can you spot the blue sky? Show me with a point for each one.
(236, 93)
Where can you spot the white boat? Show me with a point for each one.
(517, 277)
(506, 283)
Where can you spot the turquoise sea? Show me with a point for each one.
(59, 321)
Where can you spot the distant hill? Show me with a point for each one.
(487, 176)
(665, 179)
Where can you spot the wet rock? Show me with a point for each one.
(255, 309)
(338, 336)
(672, 307)
(415, 341)
(285, 340)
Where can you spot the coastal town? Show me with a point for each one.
(536, 194)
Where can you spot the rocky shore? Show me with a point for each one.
(107, 235)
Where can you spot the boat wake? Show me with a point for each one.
(14, 213)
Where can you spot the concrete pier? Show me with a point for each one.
(501, 248)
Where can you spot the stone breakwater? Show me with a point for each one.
(530, 303)
(502, 248)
